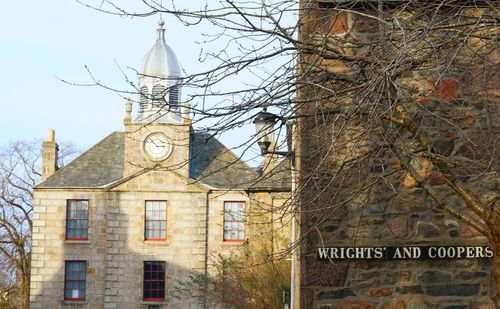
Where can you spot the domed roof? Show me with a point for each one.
(161, 61)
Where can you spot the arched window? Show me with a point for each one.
(158, 95)
(173, 97)
(143, 99)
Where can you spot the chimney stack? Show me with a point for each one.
(270, 160)
(49, 155)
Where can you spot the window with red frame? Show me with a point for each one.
(234, 226)
(77, 222)
(74, 280)
(155, 225)
(154, 281)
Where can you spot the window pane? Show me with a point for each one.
(234, 220)
(76, 219)
(71, 224)
(155, 220)
(154, 280)
(75, 280)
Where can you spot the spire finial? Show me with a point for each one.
(161, 31)
(128, 112)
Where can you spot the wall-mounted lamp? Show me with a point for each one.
(264, 127)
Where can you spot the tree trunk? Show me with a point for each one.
(24, 295)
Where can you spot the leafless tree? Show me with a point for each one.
(391, 98)
(20, 167)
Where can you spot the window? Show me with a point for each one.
(234, 227)
(77, 221)
(154, 281)
(74, 280)
(155, 225)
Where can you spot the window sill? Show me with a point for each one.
(153, 302)
(75, 241)
(74, 302)
(154, 242)
(233, 242)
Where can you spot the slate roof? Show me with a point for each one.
(277, 179)
(211, 164)
(100, 165)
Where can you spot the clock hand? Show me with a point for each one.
(158, 143)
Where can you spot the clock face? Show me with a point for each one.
(157, 146)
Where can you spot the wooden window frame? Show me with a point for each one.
(84, 280)
(146, 220)
(144, 280)
(242, 221)
(68, 219)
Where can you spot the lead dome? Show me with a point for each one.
(159, 83)
(161, 61)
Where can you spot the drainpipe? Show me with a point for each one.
(294, 247)
(205, 290)
(294, 294)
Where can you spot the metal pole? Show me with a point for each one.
(293, 223)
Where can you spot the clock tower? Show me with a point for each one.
(159, 135)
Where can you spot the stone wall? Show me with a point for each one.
(116, 248)
(50, 249)
(361, 193)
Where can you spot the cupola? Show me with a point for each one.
(159, 84)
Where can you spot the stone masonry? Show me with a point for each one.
(394, 210)
(116, 189)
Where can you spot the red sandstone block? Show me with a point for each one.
(375, 292)
(470, 232)
(339, 25)
(446, 89)
(424, 101)
(349, 304)
(449, 134)
(435, 178)
(398, 226)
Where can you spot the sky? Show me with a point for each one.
(44, 42)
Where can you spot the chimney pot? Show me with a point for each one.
(52, 135)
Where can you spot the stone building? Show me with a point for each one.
(405, 101)
(140, 213)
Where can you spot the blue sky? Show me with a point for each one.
(41, 41)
